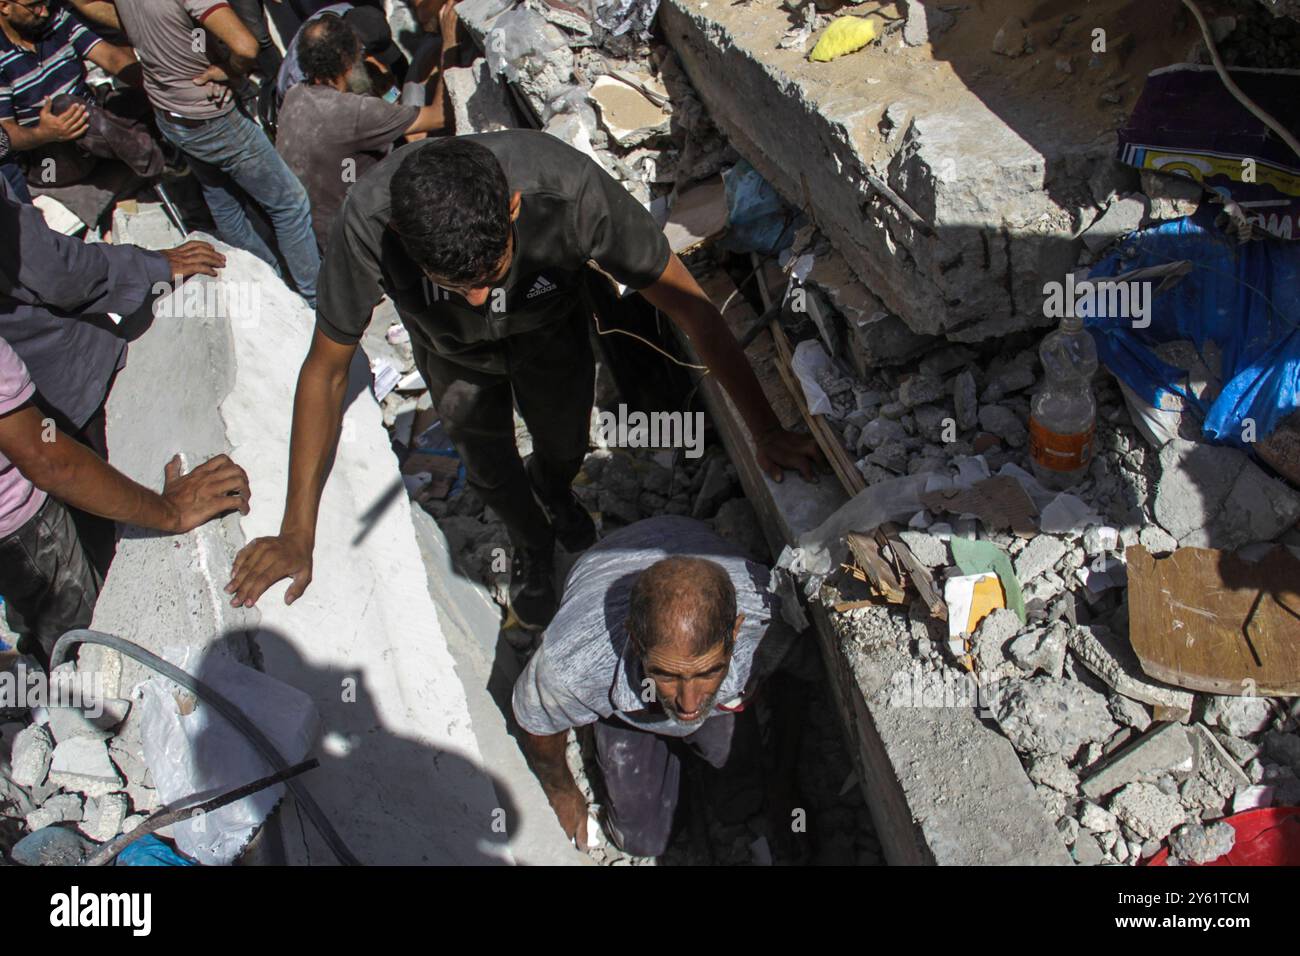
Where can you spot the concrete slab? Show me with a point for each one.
(953, 181)
(403, 776)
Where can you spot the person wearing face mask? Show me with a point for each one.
(330, 130)
(664, 633)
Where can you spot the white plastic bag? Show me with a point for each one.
(201, 752)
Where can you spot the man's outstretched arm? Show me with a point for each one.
(679, 296)
(546, 757)
(77, 476)
(317, 415)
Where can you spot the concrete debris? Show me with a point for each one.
(1148, 812)
(929, 550)
(988, 646)
(1039, 556)
(1044, 716)
(1238, 716)
(1012, 38)
(1210, 496)
(33, 751)
(1124, 215)
(925, 22)
(1112, 660)
(1097, 819)
(1004, 423)
(1171, 197)
(480, 102)
(1052, 771)
(1197, 843)
(61, 808)
(1129, 712)
(1164, 750)
(82, 764)
(1040, 651)
(103, 817)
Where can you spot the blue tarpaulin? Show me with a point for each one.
(1243, 297)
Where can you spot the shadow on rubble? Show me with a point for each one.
(393, 800)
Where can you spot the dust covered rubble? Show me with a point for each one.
(63, 763)
(1064, 686)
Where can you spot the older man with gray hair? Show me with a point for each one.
(662, 636)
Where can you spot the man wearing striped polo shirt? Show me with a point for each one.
(46, 103)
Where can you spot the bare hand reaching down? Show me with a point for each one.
(214, 487)
(194, 258)
(263, 561)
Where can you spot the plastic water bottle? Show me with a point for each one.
(1063, 413)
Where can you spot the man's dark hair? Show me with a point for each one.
(451, 207)
(683, 599)
(327, 48)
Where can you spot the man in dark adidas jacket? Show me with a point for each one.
(483, 243)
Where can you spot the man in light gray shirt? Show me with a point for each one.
(662, 636)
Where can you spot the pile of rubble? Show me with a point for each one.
(1120, 760)
(69, 764)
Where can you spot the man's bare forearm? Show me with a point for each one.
(546, 757)
(317, 416)
(77, 476)
(719, 350)
(23, 138)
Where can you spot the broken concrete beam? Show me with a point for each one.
(407, 657)
(1112, 660)
(1160, 751)
(960, 238)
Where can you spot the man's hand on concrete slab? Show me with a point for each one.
(193, 258)
(214, 487)
(263, 561)
(781, 449)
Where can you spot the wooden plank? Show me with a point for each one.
(1211, 621)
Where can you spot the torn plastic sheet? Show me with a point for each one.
(758, 218)
(200, 752)
(978, 557)
(822, 548)
(1240, 297)
(810, 360)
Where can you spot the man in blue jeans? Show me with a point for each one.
(196, 110)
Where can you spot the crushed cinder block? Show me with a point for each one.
(82, 764)
(1110, 659)
(33, 750)
(1046, 716)
(1197, 843)
(1152, 755)
(1148, 812)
